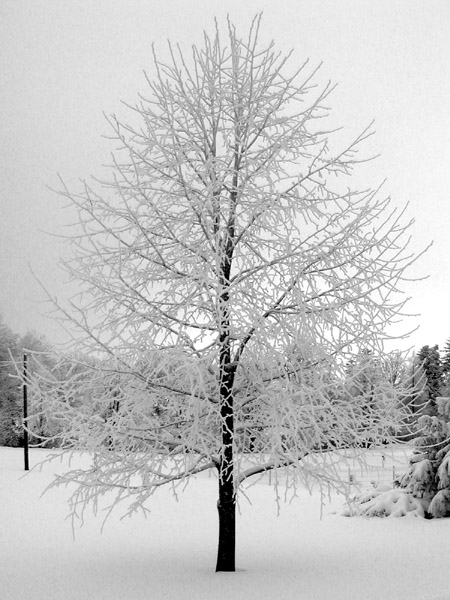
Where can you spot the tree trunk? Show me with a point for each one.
(226, 507)
(227, 498)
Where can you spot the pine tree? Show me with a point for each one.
(424, 489)
(428, 475)
(430, 359)
(445, 362)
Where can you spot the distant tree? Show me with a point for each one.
(229, 234)
(403, 371)
(41, 359)
(364, 373)
(10, 407)
(445, 361)
(430, 360)
(417, 398)
(370, 377)
(396, 367)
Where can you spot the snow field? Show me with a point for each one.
(171, 553)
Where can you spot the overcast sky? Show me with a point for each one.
(65, 62)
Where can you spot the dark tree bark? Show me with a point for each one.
(227, 497)
(226, 505)
(227, 527)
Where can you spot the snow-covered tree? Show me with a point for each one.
(430, 360)
(41, 427)
(402, 371)
(10, 407)
(424, 489)
(445, 363)
(445, 360)
(228, 235)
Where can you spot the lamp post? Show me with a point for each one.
(25, 414)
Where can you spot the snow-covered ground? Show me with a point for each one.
(171, 553)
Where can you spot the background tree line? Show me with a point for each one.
(423, 377)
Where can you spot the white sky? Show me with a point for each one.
(65, 62)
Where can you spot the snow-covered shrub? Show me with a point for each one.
(385, 501)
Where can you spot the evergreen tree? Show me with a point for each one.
(424, 489)
(445, 361)
(430, 360)
(418, 397)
